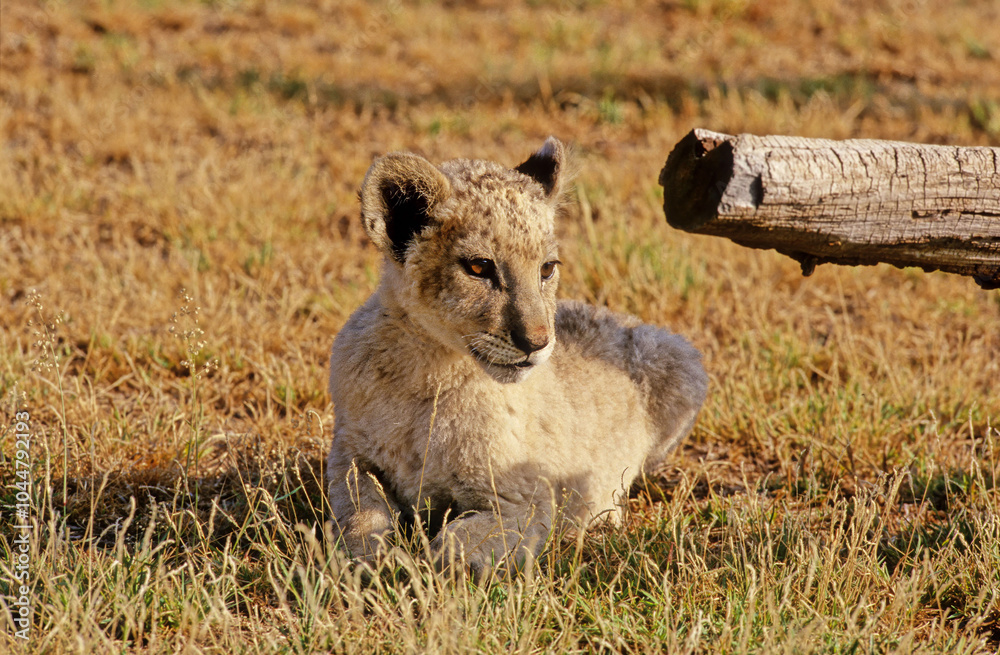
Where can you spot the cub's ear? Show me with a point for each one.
(398, 198)
(546, 166)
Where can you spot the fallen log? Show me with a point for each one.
(855, 202)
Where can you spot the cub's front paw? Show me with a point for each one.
(475, 543)
(482, 543)
(364, 547)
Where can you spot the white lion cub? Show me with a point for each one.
(465, 391)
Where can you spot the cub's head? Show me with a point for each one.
(471, 253)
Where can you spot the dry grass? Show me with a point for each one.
(177, 184)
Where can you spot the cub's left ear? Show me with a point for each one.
(398, 199)
(546, 166)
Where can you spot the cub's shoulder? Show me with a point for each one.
(366, 342)
(361, 326)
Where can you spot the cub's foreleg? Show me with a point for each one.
(364, 512)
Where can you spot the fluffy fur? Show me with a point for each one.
(464, 390)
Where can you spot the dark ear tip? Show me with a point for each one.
(552, 147)
(545, 165)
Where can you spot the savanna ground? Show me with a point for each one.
(179, 243)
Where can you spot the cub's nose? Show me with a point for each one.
(530, 340)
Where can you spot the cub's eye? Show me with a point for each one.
(479, 267)
(549, 268)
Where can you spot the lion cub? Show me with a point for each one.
(464, 391)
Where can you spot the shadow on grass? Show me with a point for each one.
(599, 89)
(239, 499)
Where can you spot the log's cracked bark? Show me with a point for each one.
(845, 202)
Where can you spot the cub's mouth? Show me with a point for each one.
(483, 359)
(503, 361)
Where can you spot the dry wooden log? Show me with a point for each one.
(846, 202)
